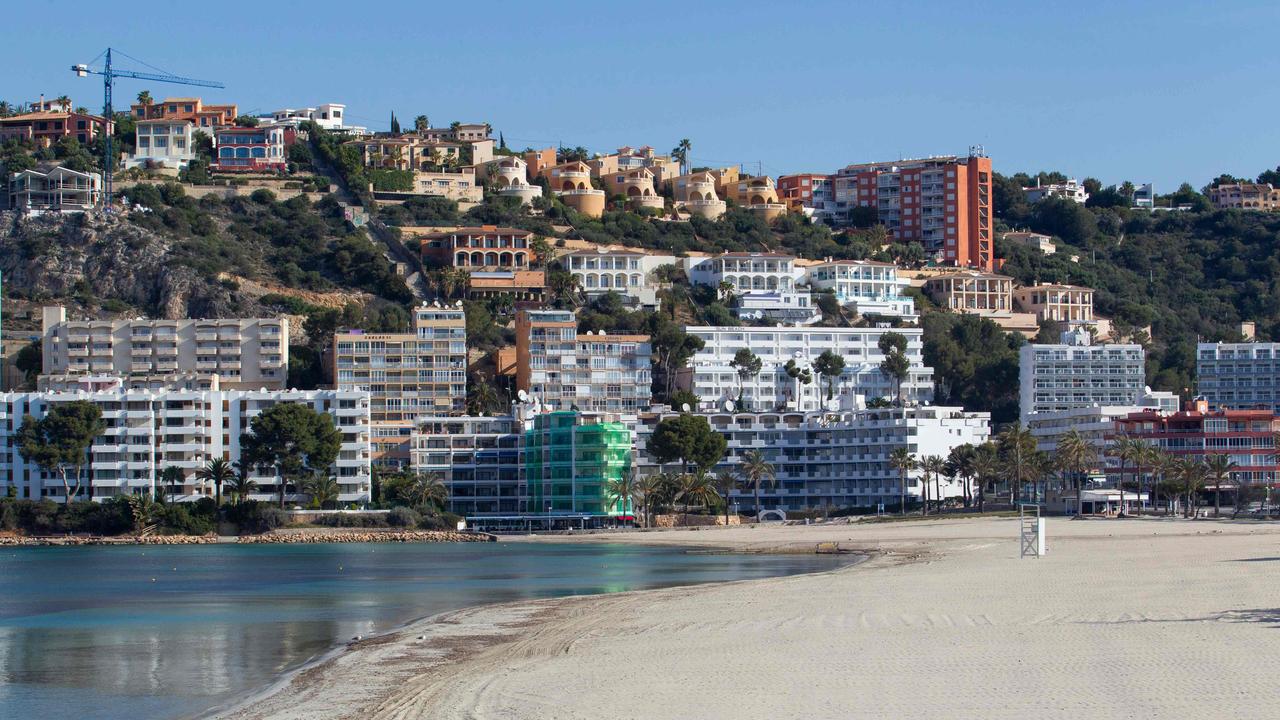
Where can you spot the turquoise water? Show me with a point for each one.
(164, 632)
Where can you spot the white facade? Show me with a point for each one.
(163, 143)
(765, 285)
(715, 381)
(871, 288)
(330, 116)
(625, 272)
(835, 460)
(1239, 375)
(1095, 423)
(1076, 374)
(244, 353)
(148, 431)
(1071, 190)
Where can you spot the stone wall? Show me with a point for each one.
(677, 520)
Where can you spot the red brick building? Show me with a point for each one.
(797, 191)
(943, 203)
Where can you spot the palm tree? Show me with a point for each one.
(696, 488)
(726, 291)
(421, 123)
(216, 471)
(543, 251)
(171, 476)
(1131, 451)
(755, 471)
(1075, 456)
(621, 492)
(1192, 476)
(428, 488)
(1018, 450)
(904, 462)
(1219, 466)
(650, 488)
(241, 486)
(725, 484)
(934, 465)
(144, 99)
(681, 153)
(986, 470)
(323, 489)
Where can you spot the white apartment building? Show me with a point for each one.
(243, 353)
(626, 272)
(1076, 374)
(477, 458)
(765, 285)
(866, 286)
(148, 431)
(1239, 375)
(1071, 190)
(163, 144)
(711, 377)
(593, 373)
(834, 460)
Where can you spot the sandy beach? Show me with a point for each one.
(1122, 619)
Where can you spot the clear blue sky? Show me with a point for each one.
(1118, 90)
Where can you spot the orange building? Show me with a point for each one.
(48, 127)
(205, 117)
(943, 203)
(538, 161)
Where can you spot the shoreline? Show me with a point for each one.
(488, 624)
(283, 536)
(945, 592)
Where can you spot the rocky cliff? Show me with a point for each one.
(106, 258)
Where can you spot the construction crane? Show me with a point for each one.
(109, 75)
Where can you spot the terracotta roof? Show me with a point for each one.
(484, 230)
(51, 115)
(518, 279)
(969, 276)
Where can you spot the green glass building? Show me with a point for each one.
(569, 457)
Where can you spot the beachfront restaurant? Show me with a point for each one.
(1098, 502)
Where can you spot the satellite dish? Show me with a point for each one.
(685, 407)
(524, 396)
(728, 405)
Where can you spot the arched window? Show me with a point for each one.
(635, 280)
(460, 259)
(226, 152)
(591, 283)
(505, 259)
(491, 258)
(605, 281)
(477, 258)
(620, 281)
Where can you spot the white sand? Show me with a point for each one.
(1122, 619)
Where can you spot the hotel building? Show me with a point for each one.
(1077, 374)
(566, 371)
(834, 460)
(148, 431)
(245, 353)
(711, 377)
(943, 203)
(1239, 375)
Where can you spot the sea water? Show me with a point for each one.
(141, 632)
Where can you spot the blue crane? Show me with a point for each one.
(109, 74)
